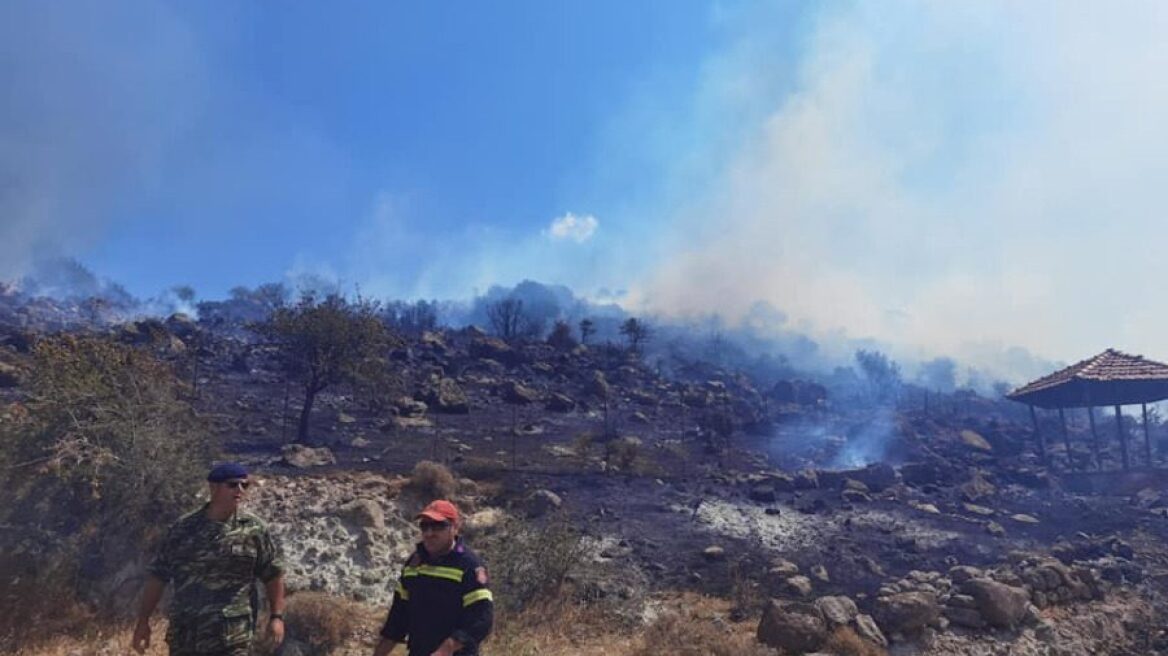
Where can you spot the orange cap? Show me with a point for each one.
(440, 511)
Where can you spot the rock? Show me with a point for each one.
(820, 572)
(867, 629)
(345, 418)
(967, 617)
(542, 502)
(795, 627)
(639, 417)
(906, 612)
(491, 348)
(962, 573)
(995, 529)
(447, 397)
(298, 455)
(838, 610)
(410, 407)
(1024, 518)
(713, 552)
(364, 513)
(799, 585)
(974, 441)
(978, 510)
(877, 476)
(9, 375)
(977, 487)
(806, 479)
(560, 403)
(516, 393)
(598, 385)
(763, 494)
(1001, 605)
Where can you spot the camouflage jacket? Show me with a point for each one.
(213, 567)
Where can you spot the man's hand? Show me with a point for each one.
(384, 647)
(141, 640)
(276, 631)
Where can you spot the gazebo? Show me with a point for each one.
(1111, 378)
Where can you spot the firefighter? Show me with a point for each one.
(441, 605)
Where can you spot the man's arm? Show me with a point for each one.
(275, 590)
(477, 616)
(151, 595)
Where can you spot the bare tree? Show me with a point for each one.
(637, 332)
(507, 318)
(587, 329)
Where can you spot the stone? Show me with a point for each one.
(560, 403)
(977, 487)
(1001, 605)
(542, 502)
(867, 629)
(795, 627)
(806, 479)
(9, 375)
(975, 441)
(713, 553)
(300, 456)
(1024, 518)
(598, 385)
(967, 617)
(995, 529)
(518, 394)
(799, 585)
(410, 407)
(763, 494)
(446, 396)
(837, 610)
(365, 513)
(906, 612)
(962, 573)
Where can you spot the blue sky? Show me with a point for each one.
(948, 178)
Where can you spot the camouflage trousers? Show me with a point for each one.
(225, 637)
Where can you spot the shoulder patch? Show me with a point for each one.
(481, 575)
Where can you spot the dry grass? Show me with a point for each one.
(843, 641)
(688, 625)
(323, 621)
(433, 480)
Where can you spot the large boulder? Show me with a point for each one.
(1001, 605)
(446, 396)
(516, 393)
(837, 610)
(792, 626)
(906, 612)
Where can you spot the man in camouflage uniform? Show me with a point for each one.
(213, 557)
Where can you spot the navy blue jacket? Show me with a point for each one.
(440, 598)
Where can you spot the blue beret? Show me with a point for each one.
(226, 471)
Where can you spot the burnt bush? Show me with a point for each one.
(104, 453)
(529, 561)
(322, 621)
(433, 480)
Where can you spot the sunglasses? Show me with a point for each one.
(238, 485)
(434, 526)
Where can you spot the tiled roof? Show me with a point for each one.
(1110, 366)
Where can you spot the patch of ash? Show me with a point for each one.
(789, 529)
(902, 525)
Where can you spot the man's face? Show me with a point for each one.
(437, 536)
(229, 494)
